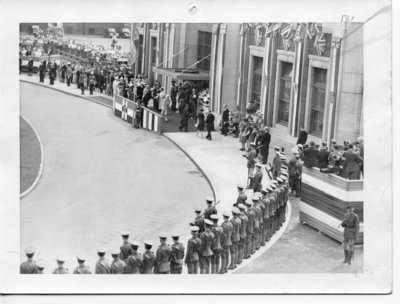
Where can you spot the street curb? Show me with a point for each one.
(274, 238)
(208, 179)
(36, 181)
(68, 93)
(271, 242)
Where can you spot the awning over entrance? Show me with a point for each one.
(181, 74)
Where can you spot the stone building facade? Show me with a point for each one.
(295, 74)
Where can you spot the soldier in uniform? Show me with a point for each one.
(257, 179)
(193, 251)
(60, 267)
(126, 247)
(29, 266)
(40, 264)
(242, 197)
(81, 82)
(276, 163)
(207, 239)
(274, 204)
(251, 156)
(218, 232)
(262, 207)
(69, 74)
(199, 220)
(249, 230)
(149, 259)
(258, 223)
(134, 260)
(177, 255)
(351, 225)
(280, 192)
(102, 265)
(243, 235)
(227, 226)
(163, 255)
(266, 214)
(210, 208)
(82, 268)
(118, 266)
(236, 223)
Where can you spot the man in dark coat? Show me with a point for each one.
(351, 225)
(174, 93)
(263, 142)
(42, 72)
(310, 156)
(351, 168)
(323, 156)
(302, 139)
(185, 119)
(30, 66)
(225, 121)
(209, 124)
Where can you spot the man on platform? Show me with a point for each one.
(353, 161)
(351, 225)
(310, 156)
(302, 139)
(323, 156)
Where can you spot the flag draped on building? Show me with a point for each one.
(134, 52)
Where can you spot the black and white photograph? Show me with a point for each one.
(194, 144)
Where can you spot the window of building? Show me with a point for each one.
(204, 50)
(255, 97)
(91, 30)
(318, 101)
(153, 50)
(285, 87)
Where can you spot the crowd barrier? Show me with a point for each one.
(125, 109)
(324, 198)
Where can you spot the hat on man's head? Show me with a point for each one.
(194, 228)
(209, 199)
(240, 186)
(226, 213)
(214, 217)
(29, 250)
(235, 210)
(208, 222)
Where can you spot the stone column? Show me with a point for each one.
(214, 44)
(219, 67)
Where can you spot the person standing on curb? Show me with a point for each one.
(177, 255)
(243, 226)
(193, 251)
(102, 265)
(126, 247)
(236, 223)
(82, 268)
(218, 232)
(118, 266)
(227, 242)
(351, 225)
(207, 239)
(29, 266)
(149, 259)
(60, 267)
(163, 255)
(210, 124)
(200, 122)
(134, 260)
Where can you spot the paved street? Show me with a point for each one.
(101, 176)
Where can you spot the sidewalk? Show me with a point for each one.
(296, 248)
(99, 98)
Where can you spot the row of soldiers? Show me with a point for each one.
(213, 247)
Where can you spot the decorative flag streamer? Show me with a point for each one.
(320, 43)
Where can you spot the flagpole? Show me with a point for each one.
(194, 64)
(173, 56)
